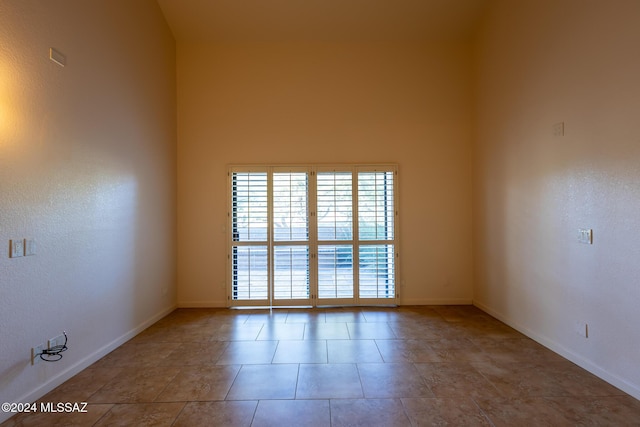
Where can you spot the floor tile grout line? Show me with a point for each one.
(179, 412)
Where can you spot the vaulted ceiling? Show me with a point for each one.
(321, 20)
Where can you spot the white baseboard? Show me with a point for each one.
(202, 304)
(429, 301)
(84, 363)
(586, 364)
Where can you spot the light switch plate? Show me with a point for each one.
(57, 57)
(558, 129)
(585, 235)
(29, 247)
(16, 248)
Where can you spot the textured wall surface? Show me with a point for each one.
(578, 65)
(87, 169)
(290, 103)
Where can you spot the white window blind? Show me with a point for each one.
(375, 205)
(249, 206)
(335, 205)
(290, 206)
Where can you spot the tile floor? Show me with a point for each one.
(407, 366)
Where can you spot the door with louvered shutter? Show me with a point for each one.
(290, 246)
(335, 242)
(249, 254)
(313, 235)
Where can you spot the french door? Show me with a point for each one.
(312, 235)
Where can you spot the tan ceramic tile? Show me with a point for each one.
(137, 354)
(457, 350)
(368, 331)
(407, 351)
(141, 415)
(248, 352)
(218, 414)
(134, 385)
(305, 316)
(306, 413)
(353, 351)
(520, 379)
(490, 329)
(415, 331)
(460, 411)
(222, 316)
(453, 344)
(326, 331)
(328, 381)
(281, 331)
(196, 353)
(178, 333)
(255, 382)
(372, 314)
(452, 313)
(422, 311)
(532, 411)
(516, 350)
(344, 316)
(578, 381)
(268, 316)
(82, 386)
(301, 352)
(383, 380)
(237, 332)
(448, 330)
(598, 411)
(456, 380)
(200, 383)
(412, 314)
(368, 413)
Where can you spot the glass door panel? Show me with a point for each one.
(334, 204)
(291, 277)
(249, 226)
(376, 235)
(291, 273)
(335, 271)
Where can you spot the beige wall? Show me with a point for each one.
(542, 62)
(329, 103)
(87, 169)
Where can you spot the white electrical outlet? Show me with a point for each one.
(53, 342)
(558, 129)
(16, 248)
(29, 247)
(585, 235)
(35, 354)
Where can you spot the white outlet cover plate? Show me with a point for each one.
(35, 354)
(29, 247)
(585, 235)
(16, 249)
(59, 340)
(558, 129)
